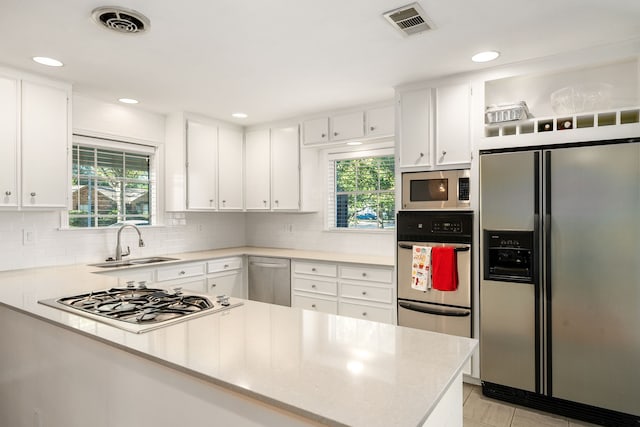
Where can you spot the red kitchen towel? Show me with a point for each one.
(444, 269)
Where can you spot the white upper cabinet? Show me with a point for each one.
(285, 168)
(380, 121)
(435, 126)
(257, 169)
(315, 131)
(347, 126)
(415, 128)
(230, 169)
(9, 105)
(45, 136)
(202, 161)
(203, 164)
(453, 129)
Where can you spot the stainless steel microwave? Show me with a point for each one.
(447, 189)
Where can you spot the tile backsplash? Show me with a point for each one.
(47, 245)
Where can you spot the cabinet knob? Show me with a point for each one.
(364, 292)
(224, 201)
(323, 135)
(213, 285)
(226, 266)
(182, 272)
(364, 274)
(313, 306)
(7, 193)
(364, 314)
(313, 269)
(276, 202)
(313, 286)
(372, 128)
(33, 194)
(421, 154)
(444, 153)
(335, 134)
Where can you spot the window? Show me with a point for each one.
(362, 190)
(111, 185)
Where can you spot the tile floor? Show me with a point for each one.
(480, 411)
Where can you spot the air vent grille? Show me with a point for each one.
(121, 20)
(409, 19)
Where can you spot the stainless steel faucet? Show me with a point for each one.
(119, 253)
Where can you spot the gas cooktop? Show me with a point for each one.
(141, 309)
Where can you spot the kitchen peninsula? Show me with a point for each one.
(257, 364)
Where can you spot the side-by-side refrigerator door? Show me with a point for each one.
(509, 206)
(594, 276)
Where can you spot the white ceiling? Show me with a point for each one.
(275, 59)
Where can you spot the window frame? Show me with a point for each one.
(349, 153)
(136, 148)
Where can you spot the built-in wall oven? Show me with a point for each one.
(432, 309)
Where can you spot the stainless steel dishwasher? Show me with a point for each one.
(270, 280)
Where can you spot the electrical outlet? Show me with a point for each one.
(28, 236)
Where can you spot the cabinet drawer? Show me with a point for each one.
(179, 272)
(316, 304)
(224, 264)
(367, 273)
(316, 286)
(316, 269)
(369, 293)
(367, 312)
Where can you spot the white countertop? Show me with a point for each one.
(332, 369)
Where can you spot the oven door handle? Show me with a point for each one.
(440, 311)
(405, 246)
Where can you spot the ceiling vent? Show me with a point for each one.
(409, 19)
(121, 20)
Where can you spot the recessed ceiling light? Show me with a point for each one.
(47, 61)
(487, 56)
(128, 100)
(239, 115)
(354, 143)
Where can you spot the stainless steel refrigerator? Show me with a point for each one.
(560, 279)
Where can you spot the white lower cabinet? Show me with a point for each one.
(215, 277)
(352, 290)
(225, 277)
(324, 305)
(367, 311)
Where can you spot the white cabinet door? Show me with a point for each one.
(380, 121)
(9, 104)
(230, 169)
(228, 283)
(257, 174)
(452, 128)
(315, 131)
(415, 129)
(347, 126)
(202, 153)
(45, 139)
(285, 168)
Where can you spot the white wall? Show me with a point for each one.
(52, 246)
(307, 232)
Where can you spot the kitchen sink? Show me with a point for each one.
(133, 261)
